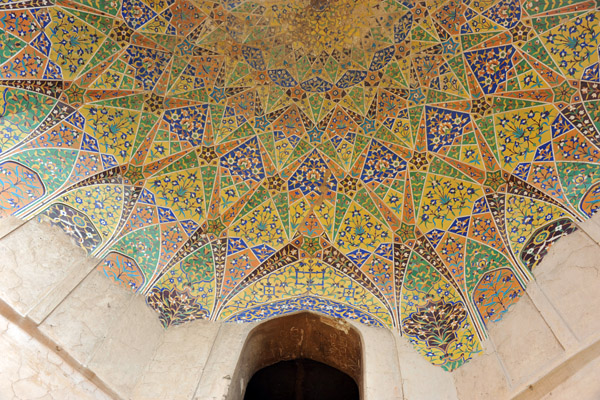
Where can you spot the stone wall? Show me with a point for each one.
(74, 334)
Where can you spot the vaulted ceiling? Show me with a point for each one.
(405, 164)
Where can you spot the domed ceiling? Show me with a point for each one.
(404, 164)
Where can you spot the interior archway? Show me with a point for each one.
(301, 379)
(303, 335)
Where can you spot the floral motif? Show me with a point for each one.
(403, 165)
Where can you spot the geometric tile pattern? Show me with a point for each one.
(401, 163)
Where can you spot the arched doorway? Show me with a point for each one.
(309, 344)
(301, 379)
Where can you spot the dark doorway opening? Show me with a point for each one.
(301, 379)
(299, 336)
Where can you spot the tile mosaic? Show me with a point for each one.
(402, 163)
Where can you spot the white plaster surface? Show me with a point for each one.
(420, 379)
(178, 362)
(61, 290)
(128, 348)
(383, 379)
(570, 278)
(33, 260)
(29, 370)
(553, 318)
(583, 385)
(483, 377)
(524, 341)
(220, 366)
(83, 320)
